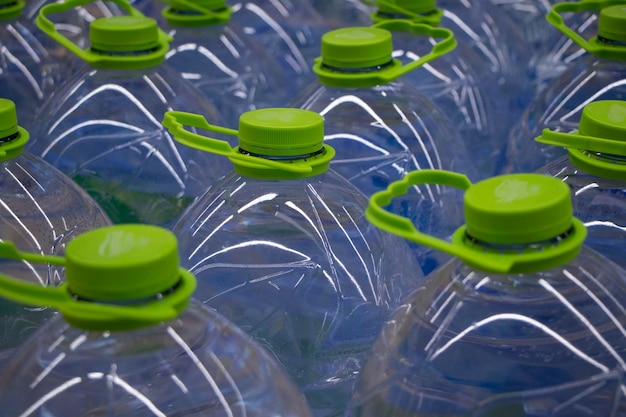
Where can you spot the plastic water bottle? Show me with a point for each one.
(344, 13)
(102, 127)
(599, 75)
(482, 28)
(455, 83)
(130, 341)
(382, 128)
(41, 210)
(290, 31)
(28, 75)
(550, 52)
(282, 248)
(527, 321)
(216, 56)
(593, 169)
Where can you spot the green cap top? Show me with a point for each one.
(13, 138)
(604, 119)
(414, 6)
(281, 132)
(518, 209)
(357, 47)
(612, 23)
(8, 118)
(122, 263)
(11, 9)
(124, 34)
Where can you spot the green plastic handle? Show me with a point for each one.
(588, 143)
(9, 251)
(445, 45)
(48, 27)
(175, 122)
(596, 48)
(432, 19)
(221, 16)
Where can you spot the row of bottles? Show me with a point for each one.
(305, 293)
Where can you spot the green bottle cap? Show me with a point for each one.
(281, 132)
(13, 138)
(612, 23)
(357, 47)
(124, 34)
(599, 145)
(604, 119)
(122, 263)
(197, 12)
(414, 6)
(514, 223)
(518, 209)
(11, 9)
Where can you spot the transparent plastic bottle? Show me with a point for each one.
(382, 128)
(594, 171)
(102, 127)
(599, 75)
(487, 32)
(344, 13)
(527, 321)
(290, 31)
(130, 341)
(455, 83)
(282, 248)
(28, 74)
(41, 210)
(551, 52)
(213, 53)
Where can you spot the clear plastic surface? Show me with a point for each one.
(103, 129)
(231, 69)
(454, 82)
(28, 74)
(291, 32)
(472, 343)
(559, 108)
(296, 264)
(196, 365)
(384, 132)
(40, 211)
(600, 203)
(344, 13)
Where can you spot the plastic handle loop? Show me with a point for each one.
(175, 122)
(432, 19)
(588, 143)
(48, 27)
(61, 299)
(222, 15)
(445, 45)
(555, 19)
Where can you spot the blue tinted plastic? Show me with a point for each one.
(382, 133)
(600, 203)
(102, 128)
(296, 265)
(40, 211)
(196, 365)
(481, 344)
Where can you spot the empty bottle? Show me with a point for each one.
(216, 56)
(28, 74)
(382, 128)
(483, 29)
(281, 247)
(454, 81)
(130, 341)
(102, 127)
(41, 210)
(599, 75)
(527, 321)
(595, 173)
